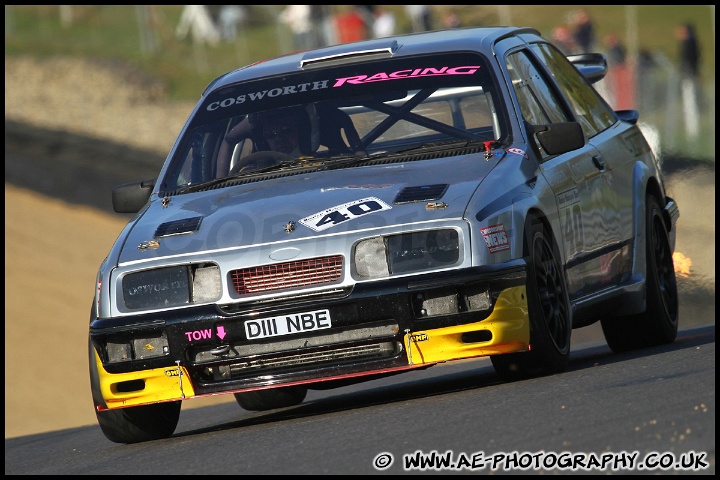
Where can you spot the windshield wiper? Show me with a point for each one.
(424, 148)
(194, 187)
(439, 144)
(247, 173)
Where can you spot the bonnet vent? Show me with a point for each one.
(178, 227)
(421, 193)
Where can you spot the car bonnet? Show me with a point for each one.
(306, 205)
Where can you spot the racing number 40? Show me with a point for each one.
(342, 213)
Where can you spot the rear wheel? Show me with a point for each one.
(132, 424)
(549, 311)
(659, 323)
(270, 399)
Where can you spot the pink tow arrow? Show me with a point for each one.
(221, 332)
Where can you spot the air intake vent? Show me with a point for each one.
(279, 276)
(422, 193)
(178, 227)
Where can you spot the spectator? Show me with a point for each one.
(620, 83)
(563, 39)
(229, 18)
(689, 50)
(197, 21)
(649, 89)
(616, 53)
(583, 32)
(419, 17)
(350, 26)
(450, 20)
(689, 58)
(297, 18)
(384, 24)
(321, 25)
(367, 13)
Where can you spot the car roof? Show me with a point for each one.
(456, 39)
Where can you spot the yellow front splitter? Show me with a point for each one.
(146, 386)
(506, 330)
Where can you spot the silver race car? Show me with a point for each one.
(361, 210)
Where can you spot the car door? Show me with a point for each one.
(580, 180)
(619, 145)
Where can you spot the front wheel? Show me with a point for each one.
(659, 323)
(549, 311)
(140, 424)
(132, 424)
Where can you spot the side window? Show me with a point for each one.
(591, 110)
(194, 161)
(539, 104)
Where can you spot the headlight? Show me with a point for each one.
(371, 258)
(206, 286)
(171, 287)
(407, 252)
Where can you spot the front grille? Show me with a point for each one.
(250, 351)
(335, 357)
(279, 276)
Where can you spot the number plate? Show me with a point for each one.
(287, 324)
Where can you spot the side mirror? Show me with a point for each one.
(592, 66)
(558, 138)
(131, 197)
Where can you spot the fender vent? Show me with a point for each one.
(422, 193)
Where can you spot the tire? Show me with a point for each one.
(132, 424)
(658, 325)
(261, 400)
(549, 310)
(140, 424)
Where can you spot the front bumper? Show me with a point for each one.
(378, 328)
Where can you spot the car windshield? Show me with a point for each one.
(318, 116)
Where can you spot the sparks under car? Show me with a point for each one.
(456, 194)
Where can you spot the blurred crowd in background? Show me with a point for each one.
(621, 86)
(672, 85)
(313, 26)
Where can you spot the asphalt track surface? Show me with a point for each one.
(650, 406)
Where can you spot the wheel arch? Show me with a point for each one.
(644, 183)
(537, 215)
